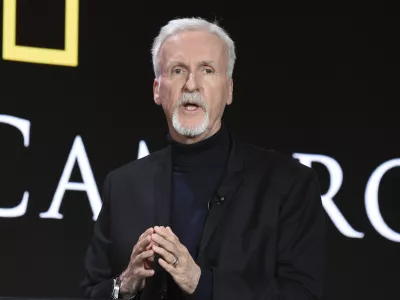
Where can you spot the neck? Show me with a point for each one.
(192, 140)
(206, 153)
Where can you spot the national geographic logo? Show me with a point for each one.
(66, 57)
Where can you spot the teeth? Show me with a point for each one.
(191, 107)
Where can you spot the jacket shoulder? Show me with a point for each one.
(268, 161)
(139, 167)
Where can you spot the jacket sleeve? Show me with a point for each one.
(98, 280)
(300, 249)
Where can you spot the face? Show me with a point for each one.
(193, 87)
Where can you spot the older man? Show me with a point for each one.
(209, 216)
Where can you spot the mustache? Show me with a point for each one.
(192, 98)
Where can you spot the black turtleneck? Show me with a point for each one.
(196, 172)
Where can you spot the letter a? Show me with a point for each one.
(89, 186)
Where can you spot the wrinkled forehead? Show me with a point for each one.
(195, 46)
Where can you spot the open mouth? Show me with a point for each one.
(191, 106)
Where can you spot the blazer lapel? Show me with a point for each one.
(163, 188)
(156, 285)
(229, 184)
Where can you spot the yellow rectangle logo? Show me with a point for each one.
(66, 57)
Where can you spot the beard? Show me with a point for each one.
(190, 131)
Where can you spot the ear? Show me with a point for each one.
(230, 95)
(156, 93)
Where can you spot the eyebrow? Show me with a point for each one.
(180, 63)
(207, 62)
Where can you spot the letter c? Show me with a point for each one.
(24, 127)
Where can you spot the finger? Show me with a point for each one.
(148, 263)
(143, 273)
(167, 267)
(172, 234)
(166, 234)
(163, 243)
(167, 256)
(146, 233)
(144, 255)
(150, 245)
(142, 244)
(170, 230)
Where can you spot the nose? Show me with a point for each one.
(191, 83)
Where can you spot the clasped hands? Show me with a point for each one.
(174, 258)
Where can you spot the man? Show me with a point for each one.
(209, 216)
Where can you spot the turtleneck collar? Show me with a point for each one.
(209, 152)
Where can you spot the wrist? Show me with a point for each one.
(125, 294)
(128, 296)
(196, 281)
(116, 288)
(120, 291)
(198, 275)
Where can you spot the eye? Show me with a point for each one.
(208, 70)
(177, 71)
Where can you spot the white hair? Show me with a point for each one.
(178, 25)
(194, 98)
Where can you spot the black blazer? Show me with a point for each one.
(264, 240)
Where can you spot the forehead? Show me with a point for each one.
(196, 45)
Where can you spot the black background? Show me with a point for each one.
(309, 84)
